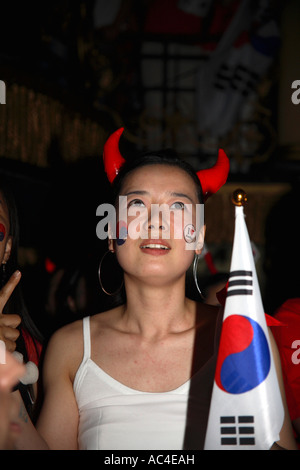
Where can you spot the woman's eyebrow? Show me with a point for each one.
(139, 192)
(172, 194)
(175, 194)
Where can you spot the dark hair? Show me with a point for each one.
(16, 304)
(162, 157)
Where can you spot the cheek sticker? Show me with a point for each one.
(189, 233)
(2, 232)
(122, 233)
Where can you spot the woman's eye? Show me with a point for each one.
(177, 205)
(136, 202)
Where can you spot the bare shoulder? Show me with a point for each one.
(65, 348)
(66, 338)
(64, 351)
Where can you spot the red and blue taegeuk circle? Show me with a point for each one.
(2, 232)
(244, 357)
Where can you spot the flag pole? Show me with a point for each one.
(239, 197)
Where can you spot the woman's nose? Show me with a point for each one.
(158, 218)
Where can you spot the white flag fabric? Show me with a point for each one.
(246, 410)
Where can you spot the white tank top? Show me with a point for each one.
(113, 416)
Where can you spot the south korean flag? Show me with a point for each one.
(246, 409)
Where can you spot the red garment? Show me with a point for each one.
(33, 347)
(289, 315)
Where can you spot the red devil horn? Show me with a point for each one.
(212, 179)
(112, 157)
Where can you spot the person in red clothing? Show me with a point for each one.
(288, 341)
(17, 329)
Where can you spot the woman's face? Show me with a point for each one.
(5, 238)
(157, 223)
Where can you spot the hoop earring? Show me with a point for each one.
(99, 276)
(195, 272)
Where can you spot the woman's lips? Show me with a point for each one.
(155, 247)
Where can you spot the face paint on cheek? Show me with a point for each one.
(2, 232)
(122, 232)
(189, 233)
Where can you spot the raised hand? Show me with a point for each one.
(9, 322)
(10, 373)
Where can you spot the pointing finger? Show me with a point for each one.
(8, 289)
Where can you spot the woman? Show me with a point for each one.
(17, 329)
(140, 375)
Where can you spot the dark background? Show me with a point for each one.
(70, 83)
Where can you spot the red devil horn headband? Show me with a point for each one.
(211, 179)
(112, 157)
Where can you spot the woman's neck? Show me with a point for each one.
(158, 310)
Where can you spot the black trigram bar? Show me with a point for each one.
(228, 441)
(239, 292)
(247, 441)
(227, 419)
(237, 435)
(240, 282)
(228, 430)
(246, 419)
(240, 272)
(246, 430)
(237, 286)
